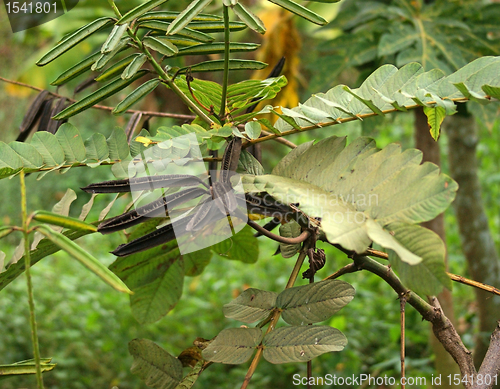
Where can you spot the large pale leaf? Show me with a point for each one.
(314, 302)
(156, 367)
(251, 305)
(301, 343)
(429, 276)
(233, 345)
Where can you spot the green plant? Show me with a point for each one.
(349, 196)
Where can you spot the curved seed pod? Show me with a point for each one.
(44, 122)
(55, 124)
(33, 114)
(157, 208)
(153, 239)
(224, 197)
(144, 183)
(84, 84)
(230, 159)
(132, 125)
(202, 211)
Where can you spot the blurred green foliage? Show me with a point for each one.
(85, 325)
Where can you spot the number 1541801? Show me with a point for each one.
(16, 7)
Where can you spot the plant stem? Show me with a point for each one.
(275, 316)
(165, 77)
(115, 8)
(225, 80)
(31, 302)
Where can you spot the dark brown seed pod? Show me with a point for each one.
(85, 84)
(144, 183)
(157, 208)
(32, 115)
(43, 124)
(230, 159)
(62, 103)
(132, 125)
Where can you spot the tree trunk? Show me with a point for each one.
(475, 236)
(443, 363)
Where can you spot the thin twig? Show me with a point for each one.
(104, 107)
(453, 277)
(299, 239)
(402, 304)
(225, 80)
(31, 301)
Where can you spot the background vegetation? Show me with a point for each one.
(85, 325)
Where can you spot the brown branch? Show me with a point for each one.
(490, 368)
(441, 325)
(299, 239)
(453, 277)
(133, 111)
(104, 107)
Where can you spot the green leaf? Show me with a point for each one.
(114, 38)
(290, 230)
(96, 149)
(44, 248)
(124, 44)
(195, 263)
(248, 164)
(71, 142)
(156, 367)
(84, 258)
(99, 95)
(171, 15)
(233, 345)
(25, 367)
(212, 27)
(301, 11)
(251, 305)
(134, 66)
(187, 15)
(249, 18)
(49, 148)
(9, 158)
(117, 145)
(30, 157)
(435, 116)
(314, 302)
(140, 10)
(115, 69)
(253, 129)
(386, 240)
(429, 276)
(161, 45)
(189, 33)
(63, 221)
(301, 343)
(242, 247)
(218, 65)
(74, 71)
(73, 39)
(217, 48)
(136, 95)
(156, 277)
